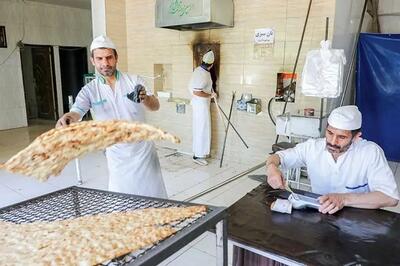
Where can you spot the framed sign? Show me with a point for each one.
(264, 36)
(3, 40)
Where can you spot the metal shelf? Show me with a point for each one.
(75, 201)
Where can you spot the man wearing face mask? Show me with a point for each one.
(133, 167)
(344, 168)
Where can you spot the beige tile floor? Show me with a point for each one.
(183, 179)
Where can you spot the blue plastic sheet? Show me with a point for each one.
(378, 90)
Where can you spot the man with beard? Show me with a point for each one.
(342, 167)
(133, 167)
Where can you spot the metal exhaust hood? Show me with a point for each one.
(194, 14)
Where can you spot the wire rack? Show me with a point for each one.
(74, 202)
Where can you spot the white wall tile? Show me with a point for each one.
(243, 67)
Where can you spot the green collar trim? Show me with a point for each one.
(103, 79)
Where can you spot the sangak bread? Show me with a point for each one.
(49, 153)
(88, 240)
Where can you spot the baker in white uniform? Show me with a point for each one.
(200, 87)
(133, 168)
(346, 169)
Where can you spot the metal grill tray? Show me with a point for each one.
(75, 201)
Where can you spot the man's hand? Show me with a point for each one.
(67, 119)
(275, 177)
(331, 203)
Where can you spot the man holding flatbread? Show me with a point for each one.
(133, 167)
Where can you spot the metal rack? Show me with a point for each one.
(74, 202)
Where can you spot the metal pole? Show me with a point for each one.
(223, 183)
(348, 77)
(221, 234)
(77, 164)
(218, 110)
(78, 171)
(226, 131)
(233, 127)
(322, 99)
(295, 63)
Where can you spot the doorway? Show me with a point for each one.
(39, 82)
(199, 50)
(73, 66)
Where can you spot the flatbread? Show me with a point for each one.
(49, 153)
(88, 240)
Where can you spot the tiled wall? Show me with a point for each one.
(116, 29)
(244, 67)
(34, 23)
(389, 16)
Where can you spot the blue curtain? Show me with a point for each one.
(378, 90)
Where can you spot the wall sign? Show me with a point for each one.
(3, 40)
(264, 36)
(177, 7)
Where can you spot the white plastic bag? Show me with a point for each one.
(323, 72)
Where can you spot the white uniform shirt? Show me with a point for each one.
(133, 167)
(362, 168)
(110, 104)
(200, 81)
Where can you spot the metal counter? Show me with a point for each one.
(350, 237)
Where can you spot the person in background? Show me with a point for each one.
(133, 167)
(342, 167)
(200, 87)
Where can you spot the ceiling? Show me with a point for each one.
(71, 3)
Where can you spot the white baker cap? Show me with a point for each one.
(102, 42)
(345, 117)
(208, 57)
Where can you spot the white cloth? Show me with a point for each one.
(201, 126)
(346, 118)
(133, 168)
(323, 72)
(208, 57)
(201, 81)
(102, 42)
(362, 168)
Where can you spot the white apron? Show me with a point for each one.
(201, 126)
(133, 168)
(201, 81)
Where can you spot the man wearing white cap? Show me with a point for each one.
(346, 169)
(133, 168)
(200, 87)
